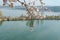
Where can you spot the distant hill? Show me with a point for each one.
(52, 8)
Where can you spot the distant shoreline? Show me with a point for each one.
(27, 18)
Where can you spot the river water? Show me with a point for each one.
(30, 30)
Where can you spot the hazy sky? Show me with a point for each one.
(47, 2)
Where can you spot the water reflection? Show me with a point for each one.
(39, 22)
(31, 24)
(1, 22)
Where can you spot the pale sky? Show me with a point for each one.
(47, 2)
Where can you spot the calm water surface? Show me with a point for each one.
(30, 30)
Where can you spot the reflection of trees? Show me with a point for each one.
(1, 22)
(42, 21)
(39, 22)
(30, 23)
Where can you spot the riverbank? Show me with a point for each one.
(4, 18)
